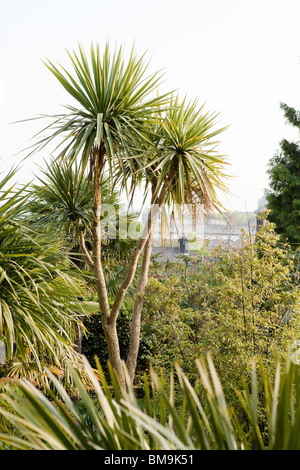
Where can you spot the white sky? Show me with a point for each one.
(241, 57)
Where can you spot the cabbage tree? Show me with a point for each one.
(121, 127)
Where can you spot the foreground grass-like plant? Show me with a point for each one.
(116, 420)
(39, 307)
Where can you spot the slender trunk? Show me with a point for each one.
(109, 324)
(109, 316)
(135, 330)
(133, 262)
(243, 299)
(78, 340)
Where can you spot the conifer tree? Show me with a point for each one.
(283, 197)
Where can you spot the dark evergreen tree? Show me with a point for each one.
(283, 197)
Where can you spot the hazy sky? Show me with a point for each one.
(240, 57)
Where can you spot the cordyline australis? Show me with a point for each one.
(135, 136)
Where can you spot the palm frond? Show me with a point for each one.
(117, 421)
(116, 98)
(39, 307)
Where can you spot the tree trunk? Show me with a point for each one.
(135, 330)
(145, 242)
(133, 261)
(109, 315)
(78, 340)
(109, 324)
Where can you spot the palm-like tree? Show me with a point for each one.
(39, 310)
(181, 168)
(121, 129)
(63, 203)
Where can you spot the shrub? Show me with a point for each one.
(239, 305)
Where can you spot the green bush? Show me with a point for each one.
(240, 305)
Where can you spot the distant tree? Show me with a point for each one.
(283, 198)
